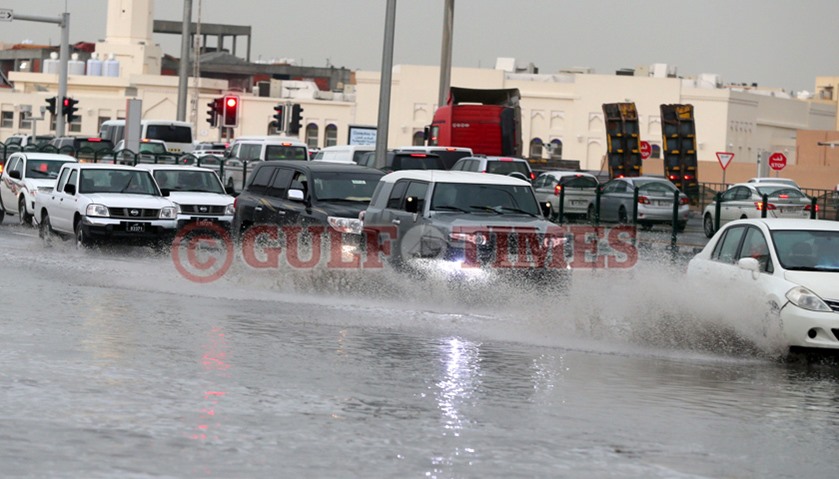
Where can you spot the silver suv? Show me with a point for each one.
(466, 224)
(501, 165)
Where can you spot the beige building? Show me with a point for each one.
(561, 113)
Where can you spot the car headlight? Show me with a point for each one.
(94, 209)
(230, 210)
(806, 299)
(479, 239)
(169, 212)
(345, 225)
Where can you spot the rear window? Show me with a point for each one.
(656, 187)
(169, 133)
(274, 152)
(94, 144)
(507, 167)
(578, 182)
(416, 162)
(450, 157)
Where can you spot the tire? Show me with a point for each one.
(25, 218)
(708, 226)
(82, 241)
(622, 216)
(45, 231)
(2, 214)
(681, 225)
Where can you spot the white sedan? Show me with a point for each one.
(745, 200)
(791, 264)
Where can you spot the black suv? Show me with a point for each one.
(397, 160)
(301, 193)
(82, 147)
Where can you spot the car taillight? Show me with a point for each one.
(557, 189)
(683, 200)
(235, 203)
(688, 177)
(806, 208)
(643, 200)
(532, 176)
(769, 206)
(673, 177)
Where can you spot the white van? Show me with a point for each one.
(343, 153)
(177, 135)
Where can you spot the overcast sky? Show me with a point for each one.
(775, 43)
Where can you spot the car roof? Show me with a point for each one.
(567, 173)
(105, 166)
(154, 167)
(323, 166)
(348, 148)
(445, 176)
(494, 158)
(37, 155)
(762, 183)
(783, 224)
(434, 148)
(269, 139)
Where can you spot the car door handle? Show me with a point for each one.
(257, 208)
(395, 221)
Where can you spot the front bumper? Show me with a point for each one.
(810, 329)
(119, 229)
(225, 221)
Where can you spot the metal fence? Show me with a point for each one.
(826, 200)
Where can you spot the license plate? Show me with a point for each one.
(202, 219)
(578, 202)
(135, 227)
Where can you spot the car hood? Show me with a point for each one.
(342, 209)
(490, 220)
(824, 284)
(120, 200)
(40, 183)
(199, 198)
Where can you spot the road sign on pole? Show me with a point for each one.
(724, 158)
(646, 150)
(777, 161)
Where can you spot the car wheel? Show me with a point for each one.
(622, 217)
(2, 214)
(708, 226)
(82, 241)
(25, 218)
(681, 225)
(45, 230)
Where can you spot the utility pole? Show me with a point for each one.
(446, 53)
(387, 75)
(183, 77)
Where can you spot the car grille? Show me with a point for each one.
(834, 305)
(202, 210)
(133, 213)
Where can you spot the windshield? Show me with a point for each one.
(188, 180)
(153, 148)
(469, 198)
(43, 169)
(169, 133)
(345, 187)
(117, 181)
(807, 250)
(274, 152)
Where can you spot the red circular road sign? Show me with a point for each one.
(646, 150)
(777, 161)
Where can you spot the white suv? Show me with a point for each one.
(247, 149)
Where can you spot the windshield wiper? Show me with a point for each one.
(342, 199)
(485, 208)
(450, 208)
(517, 210)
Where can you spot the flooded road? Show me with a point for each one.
(115, 365)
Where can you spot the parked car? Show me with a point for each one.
(251, 149)
(402, 160)
(775, 180)
(99, 202)
(82, 147)
(500, 165)
(23, 140)
(655, 202)
(792, 265)
(288, 193)
(745, 200)
(449, 154)
(579, 190)
(197, 192)
(445, 219)
(149, 151)
(28, 174)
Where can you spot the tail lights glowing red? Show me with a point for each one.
(643, 200)
(532, 176)
(683, 200)
(810, 208)
(557, 189)
(769, 206)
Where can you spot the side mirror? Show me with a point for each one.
(230, 190)
(411, 204)
(165, 191)
(295, 195)
(15, 174)
(70, 189)
(749, 264)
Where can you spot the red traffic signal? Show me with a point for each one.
(230, 115)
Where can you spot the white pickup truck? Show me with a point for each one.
(26, 174)
(95, 202)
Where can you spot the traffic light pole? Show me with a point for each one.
(64, 56)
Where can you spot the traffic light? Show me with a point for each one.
(212, 113)
(295, 123)
(278, 116)
(51, 105)
(230, 108)
(70, 109)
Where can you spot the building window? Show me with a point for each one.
(25, 120)
(418, 139)
(331, 135)
(312, 135)
(536, 148)
(76, 125)
(555, 148)
(100, 120)
(7, 119)
(656, 151)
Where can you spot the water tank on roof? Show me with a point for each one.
(51, 64)
(75, 66)
(94, 65)
(111, 66)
